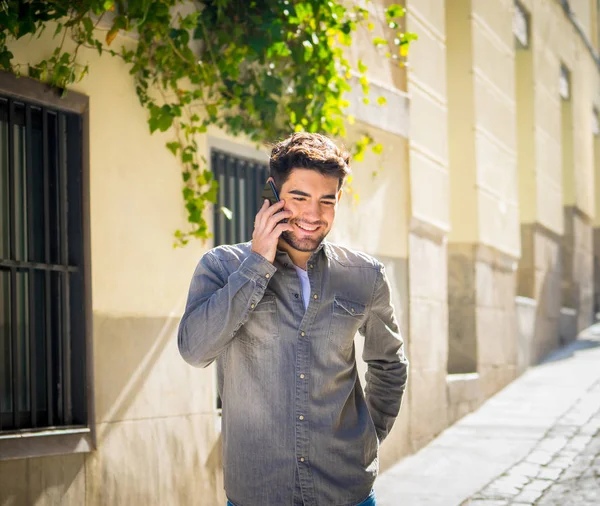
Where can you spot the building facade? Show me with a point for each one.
(485, 210)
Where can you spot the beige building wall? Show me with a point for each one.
(541, 153)
(577, 167)
(556, 265)
(525, 97)
(583, 11)
(429, 221)
(495, 137)
(485, 238)
(545, 21)
(578, 284)
(596, 232)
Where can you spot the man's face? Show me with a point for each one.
(313, 198)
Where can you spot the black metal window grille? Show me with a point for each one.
(241, 181)
(42, 309)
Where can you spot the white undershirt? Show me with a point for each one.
(304, 281)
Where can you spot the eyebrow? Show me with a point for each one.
(304, 194)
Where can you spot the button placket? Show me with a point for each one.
(302, 407)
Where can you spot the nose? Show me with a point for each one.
(312, 212)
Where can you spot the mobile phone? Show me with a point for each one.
(270, 193)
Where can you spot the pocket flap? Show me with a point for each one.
(345, 306)
(267, 303)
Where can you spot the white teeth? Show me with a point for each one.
(307, 229)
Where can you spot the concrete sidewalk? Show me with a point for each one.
(521, 440)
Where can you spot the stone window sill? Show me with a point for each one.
(41, 443)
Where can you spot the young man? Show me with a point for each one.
(279, 314)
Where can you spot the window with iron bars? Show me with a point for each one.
(241, 181)
(43, 267)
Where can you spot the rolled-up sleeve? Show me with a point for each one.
(217, 305)
(387, 365)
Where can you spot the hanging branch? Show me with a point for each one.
(262, 69)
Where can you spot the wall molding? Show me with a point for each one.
(428, 230)
(393, 117)
(490, 255)
(579, 29)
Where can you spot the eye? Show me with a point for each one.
(328, 202)
(299, 198)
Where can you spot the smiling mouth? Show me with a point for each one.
(307, 229)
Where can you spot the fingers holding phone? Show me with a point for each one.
(268, 227)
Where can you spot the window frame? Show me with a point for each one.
(521, 13)
(59, 440)
(564, 82)
(239, 167)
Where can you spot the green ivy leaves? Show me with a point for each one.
(161, 118)
(257, 69)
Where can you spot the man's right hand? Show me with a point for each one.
(267, 229)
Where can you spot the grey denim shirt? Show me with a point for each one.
(297, 427)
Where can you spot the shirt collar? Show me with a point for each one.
(324, 247)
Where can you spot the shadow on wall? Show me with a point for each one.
(588, 338)
(545, 327)
(200, 479)
(546, 335)
(127, 351)
(538, 300)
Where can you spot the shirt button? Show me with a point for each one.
(310, 266)
(302, 376)
(352, 310)
(315, 296)
(302, 334)
(296, 295)
(301, 459)
(301, 417)
(267, 276)
(252, 306)
(285, 264)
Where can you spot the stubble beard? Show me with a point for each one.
(306, 245)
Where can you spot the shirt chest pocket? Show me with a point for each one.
(261, 325)
(346, 318)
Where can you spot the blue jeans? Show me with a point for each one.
(369, 501)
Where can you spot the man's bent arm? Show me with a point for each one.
(218, 306)
(387, 366)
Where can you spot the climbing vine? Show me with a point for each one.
(256, 68)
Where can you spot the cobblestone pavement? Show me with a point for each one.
(580, 483)
(536, 442)
(563, 469)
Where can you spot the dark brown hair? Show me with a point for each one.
(303, 150)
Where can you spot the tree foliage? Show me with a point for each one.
(259, 68)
